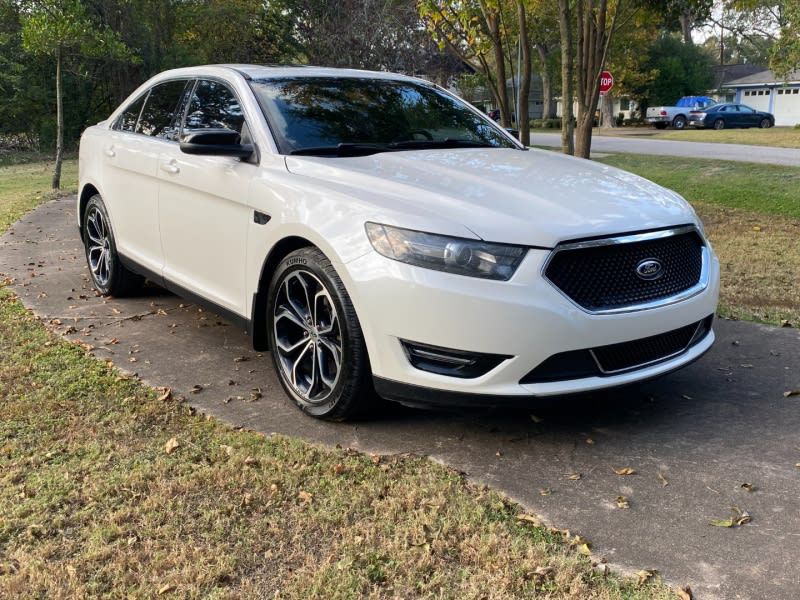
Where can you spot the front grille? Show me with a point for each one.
(601, 275)
(617, 358)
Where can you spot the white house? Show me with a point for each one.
(765, 91)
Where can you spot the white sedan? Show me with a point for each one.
(380, 235)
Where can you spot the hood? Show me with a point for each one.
(534, 198)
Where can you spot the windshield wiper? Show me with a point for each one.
(343, 149)
(445, 143)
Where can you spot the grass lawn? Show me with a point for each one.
(108, 489)
(782, 137)
(752, 216)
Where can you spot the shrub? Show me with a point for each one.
(536, 123)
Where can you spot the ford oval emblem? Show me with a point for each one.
(649, 269)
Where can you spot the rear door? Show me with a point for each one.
(130, 182)
(203, 210)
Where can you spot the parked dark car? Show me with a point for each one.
(721, 116)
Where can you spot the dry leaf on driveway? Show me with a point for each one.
(748, 487)
(623, 502)
(166, 394)
(625, 471)
(574, 476)
(171, 445)
(645, 575)
(740, 517)
(663, 480)
(790, 393)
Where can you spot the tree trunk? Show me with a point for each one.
(59, 124)
(523, 121)
(567, 94)
(493, 22)
(547, 84)
(583, 138)
(687, 20)
(608, 118)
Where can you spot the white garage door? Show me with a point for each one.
(758, 99)
(787, 106)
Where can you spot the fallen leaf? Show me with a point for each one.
(622, 502)
(239, 359)
(663, 480)
(536, 419)
(756, 227)
(748, 486)
(685, 593)
(545, 492)
(227, 449)
(533, 520)
(790, 393)
(686, 397)
(590, 441)
(171, 445)
(250, 461)
(574, 476)
(740, 517)
(165, 588)
(746, 366)
(304, 497)
(166, 394)
(585, 549)
(645, 575)
(625, 471)
(797, 465)
(338, 469)
(196, 389)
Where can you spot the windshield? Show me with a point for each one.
(310, 115)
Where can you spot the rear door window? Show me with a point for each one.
(161, 116)
(213, 106)
(130, 116)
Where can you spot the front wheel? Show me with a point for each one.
(719, 124)
(765, 124)
(109, 275)
(317, 345)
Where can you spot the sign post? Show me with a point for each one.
(606, 83)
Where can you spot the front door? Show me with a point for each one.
(203, 209)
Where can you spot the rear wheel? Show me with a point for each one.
(109, 275)
(317, 346)
(719, 124)
(765, 124)
(679, 122)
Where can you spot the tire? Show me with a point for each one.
(765, 124)
(109, 275)
(679, 122)
(660, 125)
(310, 319)
(719, 124)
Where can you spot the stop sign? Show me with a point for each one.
(606, 82)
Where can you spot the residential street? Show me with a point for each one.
(693, 438)
(644, 145)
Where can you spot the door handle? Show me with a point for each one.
(110, 152)
(170, 168)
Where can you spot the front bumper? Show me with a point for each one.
(700, 123)
(526, 319)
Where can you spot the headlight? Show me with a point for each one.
(460, 256)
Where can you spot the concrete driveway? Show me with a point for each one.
(642, 145)
(693, 438)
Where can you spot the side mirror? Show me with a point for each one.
(216, 142)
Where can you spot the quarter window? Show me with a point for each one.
(213, 106)
(127, 120)
(159, 115)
